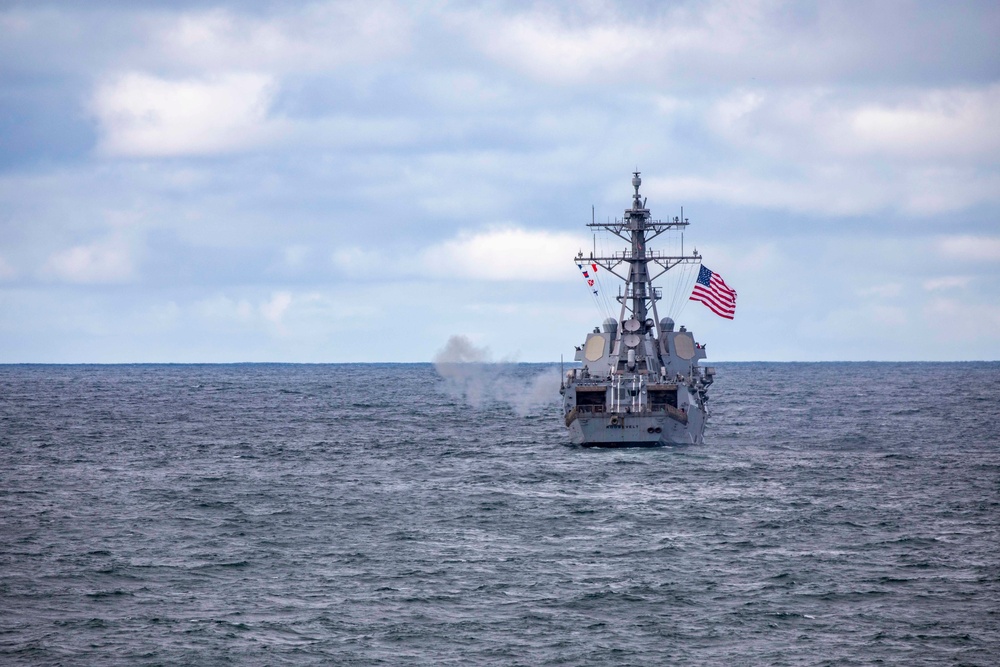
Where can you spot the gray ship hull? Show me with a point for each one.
(636, 430)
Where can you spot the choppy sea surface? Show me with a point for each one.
(839, 514)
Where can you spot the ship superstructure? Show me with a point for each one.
(640, 383)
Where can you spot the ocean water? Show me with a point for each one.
(839, 514)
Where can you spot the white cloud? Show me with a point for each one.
(144, 115)
(108, 261)
(840, 188)
(729, 114)
(6, 270)
(935, 124)
(946, 283)
(505, 254)
(352, 260)
(819, 193)
(975, 248)
(224, 308)
(499, 254)
(723, 41)
(841, 152)
(274, 309)
(602, 42)
(822, 122)
(312, 317)
(745, 258)
(963, 322)
(550, 51)
(317, 36)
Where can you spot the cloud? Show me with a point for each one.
(973, 248)
(144, 115)
(603, 42)
(108, 261)
(894, 123)
(839, 188)
(283, 312)
(6, 270)
(179, 41)
(505, 254)
(498, 254)
(831, 150)
(356, 261)
(598, 41)
(934, 124)
(549, 50)
(946, 283)
(275, 309)
(225, 309)
(315, 36)
(962, 321)
(745, 258)
(727, 41)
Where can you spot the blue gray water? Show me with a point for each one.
(369, 515)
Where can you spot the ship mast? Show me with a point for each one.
(637, 228)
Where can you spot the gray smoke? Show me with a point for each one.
(471, 375)
(536, 393)
(464, 369)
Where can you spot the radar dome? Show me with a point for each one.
(667, 324)
(610, 325)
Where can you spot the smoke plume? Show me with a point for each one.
(471, 375)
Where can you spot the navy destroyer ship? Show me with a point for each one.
(640, 383)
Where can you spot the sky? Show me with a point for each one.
(362, 181)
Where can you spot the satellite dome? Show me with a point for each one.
(610, 325)
(667, 324)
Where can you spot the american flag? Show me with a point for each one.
(713, 291)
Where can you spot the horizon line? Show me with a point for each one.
(493, 363)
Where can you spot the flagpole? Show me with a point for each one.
(594, 254)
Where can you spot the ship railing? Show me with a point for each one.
(630, 292)
(625, 255)
(643, 411)
(648, 225)
(590, 382)
(674, 413)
